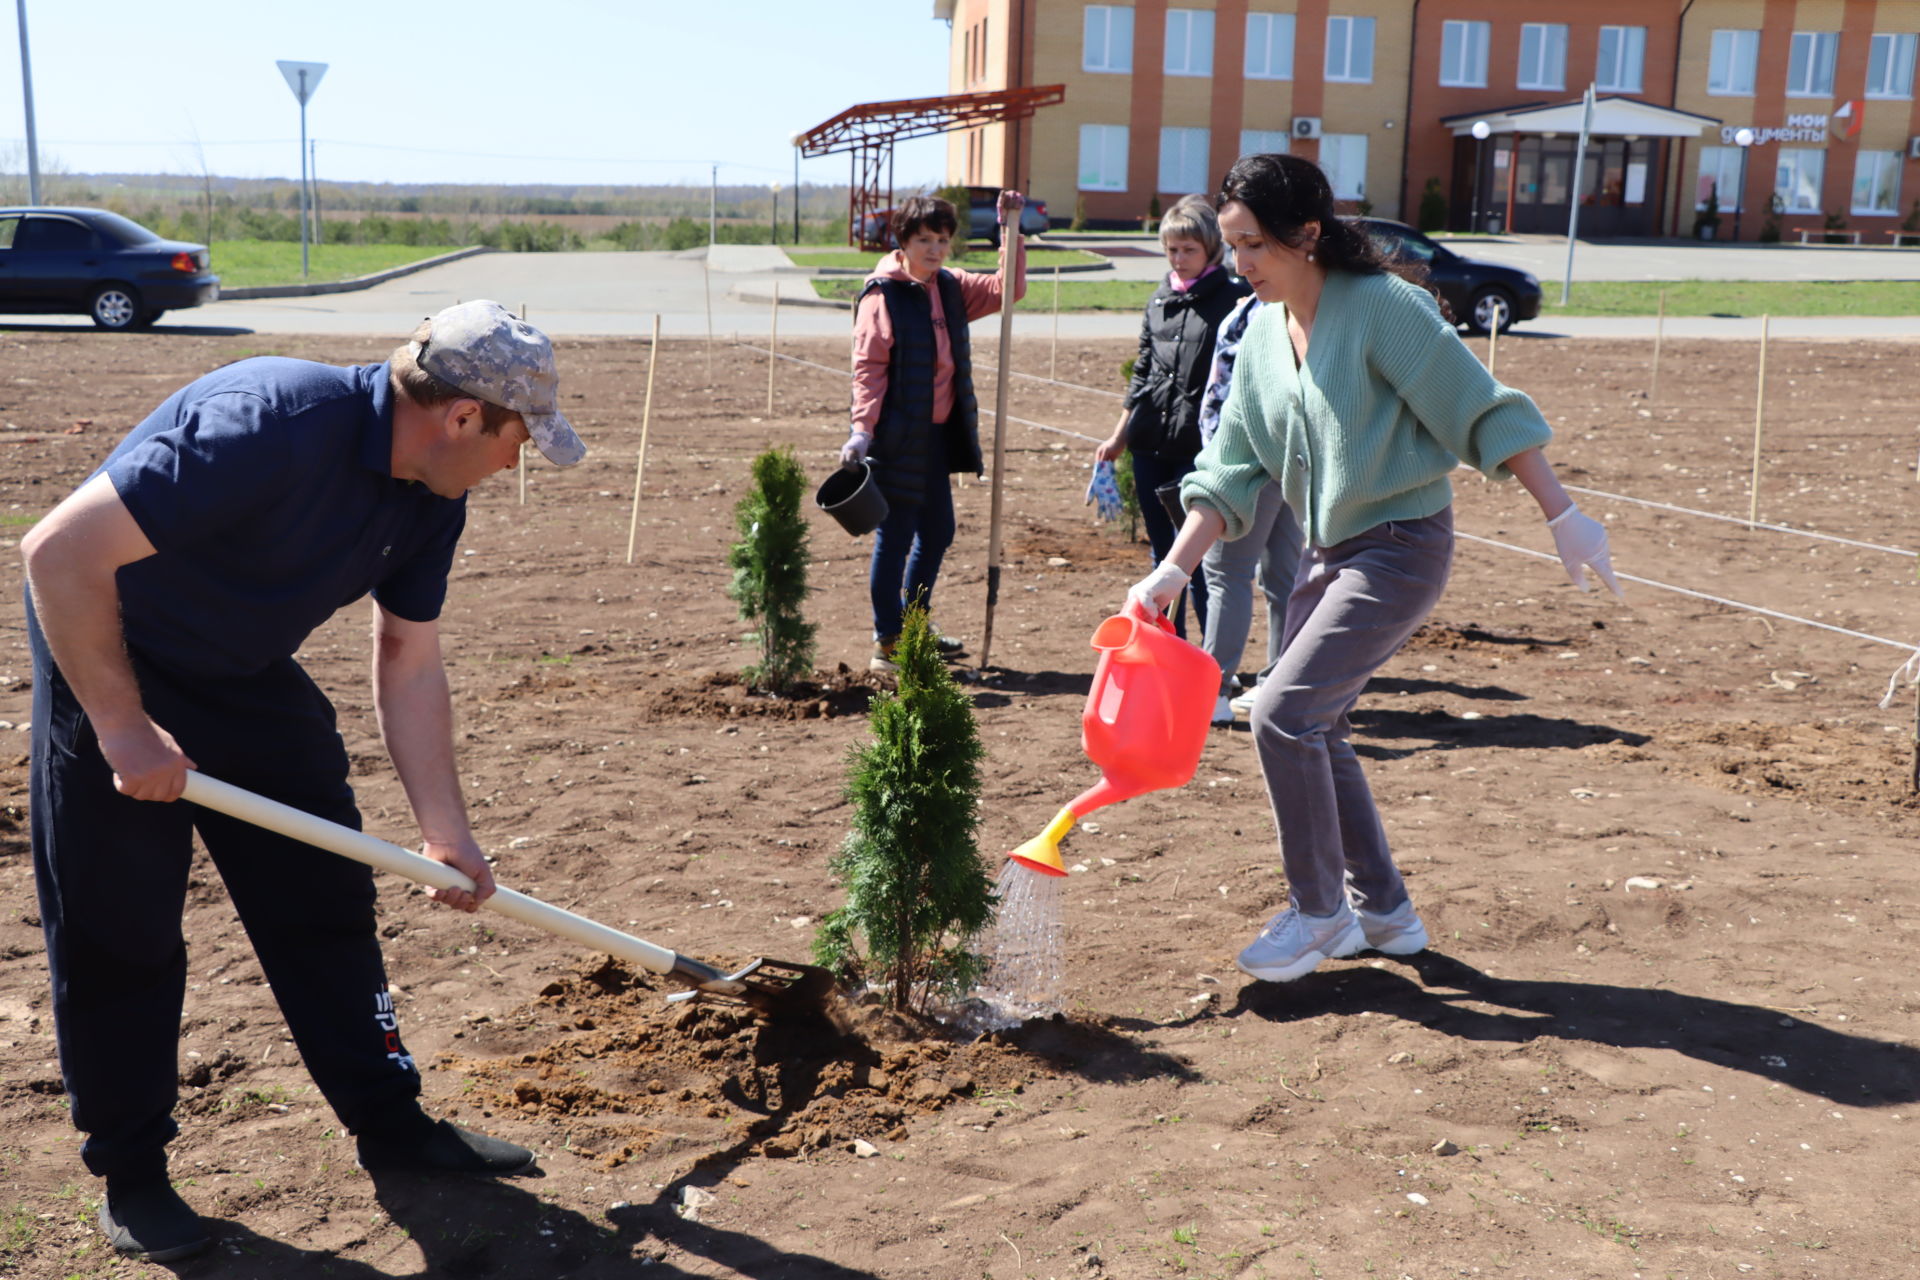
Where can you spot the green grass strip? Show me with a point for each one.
(1075, 295)
(1735, 297)
(246, 263)
(980, 260)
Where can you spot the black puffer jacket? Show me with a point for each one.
(1176, 353)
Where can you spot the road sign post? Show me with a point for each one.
(303, 78)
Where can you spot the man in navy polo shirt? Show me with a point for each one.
(166, 598)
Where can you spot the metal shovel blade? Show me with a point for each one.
(774, 988)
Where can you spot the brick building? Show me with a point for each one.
(1385, 95)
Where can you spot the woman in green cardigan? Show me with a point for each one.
(1357, 395)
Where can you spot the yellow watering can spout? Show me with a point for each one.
(1042, 853)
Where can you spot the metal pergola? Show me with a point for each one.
(869, 130)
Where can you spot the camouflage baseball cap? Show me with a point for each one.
(491, 354)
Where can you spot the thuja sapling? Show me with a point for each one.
(916, 888)
(769, 566)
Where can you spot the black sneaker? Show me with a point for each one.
(444, 1148)
(147, 1219)
(948, 646)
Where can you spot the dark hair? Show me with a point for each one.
(1285, 193)
(923, 213)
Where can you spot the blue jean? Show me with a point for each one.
(1353, 605)
(907, 550)
(1150, 473)
(1272, 542)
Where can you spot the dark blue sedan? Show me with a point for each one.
(1481, 295)
(92, 262)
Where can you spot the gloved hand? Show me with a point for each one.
(854, 451)
(1103, 491)
(1158, 591)
(1582, 543)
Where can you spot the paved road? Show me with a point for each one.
(619, 293)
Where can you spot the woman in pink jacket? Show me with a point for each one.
(914, 413)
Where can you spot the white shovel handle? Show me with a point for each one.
(297, 824)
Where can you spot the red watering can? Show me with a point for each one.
(1145, 724)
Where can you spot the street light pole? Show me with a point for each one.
(1481, 131)
(26, 86)
(1743, 139)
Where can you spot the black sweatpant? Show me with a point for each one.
(112, 876)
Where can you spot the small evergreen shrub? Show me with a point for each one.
(1079, 222)
(1153, 213)
(769, 566)
(1433, 207)
(916, 888)
(1912, 221)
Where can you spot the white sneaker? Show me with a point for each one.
(1293, 945)
(1397, 932)
(1222, 710)
(1242, 706)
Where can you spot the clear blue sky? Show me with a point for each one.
(478, 91)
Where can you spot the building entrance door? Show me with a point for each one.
(1615, 186)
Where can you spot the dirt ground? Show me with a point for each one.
(1665, 850)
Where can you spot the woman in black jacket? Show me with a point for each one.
(1160, 421)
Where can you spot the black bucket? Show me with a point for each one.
(851, 496)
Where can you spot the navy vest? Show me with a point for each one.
(906, 446)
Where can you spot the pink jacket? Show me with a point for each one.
(873, 333)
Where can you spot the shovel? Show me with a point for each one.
(774, 988)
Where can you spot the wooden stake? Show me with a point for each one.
(1007, 254)
(522, 468)
(1659, 330)
(1493, 348)
(646, 417)
(773, 345)
(706, 285)
(1053, 364)
(1759, 416)
(1914, 785)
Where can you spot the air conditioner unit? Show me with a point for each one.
(1306, 126)
(1913, 148)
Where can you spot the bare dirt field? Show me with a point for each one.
(1665, 849)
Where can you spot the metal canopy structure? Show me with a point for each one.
(869, 130)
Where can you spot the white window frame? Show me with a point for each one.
(1629, 70)
(1356, 62)
(1816, 52)
(1733, 62)
(1107, 51)
(1549, 41)
(1799, 170)
(1341, 155)
(1894, 52)
(1270, 46)
(1871, 167)
(1183, 160)
(1108, 144)
(1262, 142)
(1189, 50)
(1463, 53)
(1722, 164)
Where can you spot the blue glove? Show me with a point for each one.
(1103, 491)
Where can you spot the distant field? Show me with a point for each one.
(978, 260)
(245, 263)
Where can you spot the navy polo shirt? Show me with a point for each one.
(267, 491)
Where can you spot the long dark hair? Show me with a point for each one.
(1285, 193)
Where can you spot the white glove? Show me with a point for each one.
(1582, 543)
(1158, 591)
(854, 451)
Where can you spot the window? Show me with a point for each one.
(1264, 142)
(1108, 43)
(7, 228)
(1890, 66)
(1796, 182)
(55, 235)
(1810, 65)
(1183, 160)
(1189, 42)
(1350, 50)
(1623, 54)
(1543, 56)
(1730, 66)
(1103, 157)
(1719, 172)
(1343, 157)
(1269, 46)
(1876, 182)
(1463, 54)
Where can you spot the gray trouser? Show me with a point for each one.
(1273, 542)
(1354, 604)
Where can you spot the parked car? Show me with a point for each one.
(1481, 295)
(92, 262)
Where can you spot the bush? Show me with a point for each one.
(1123, 469)
(769, 566)
(1912, 221)
(916, 889)
(1433, 207)
(1079, 222)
